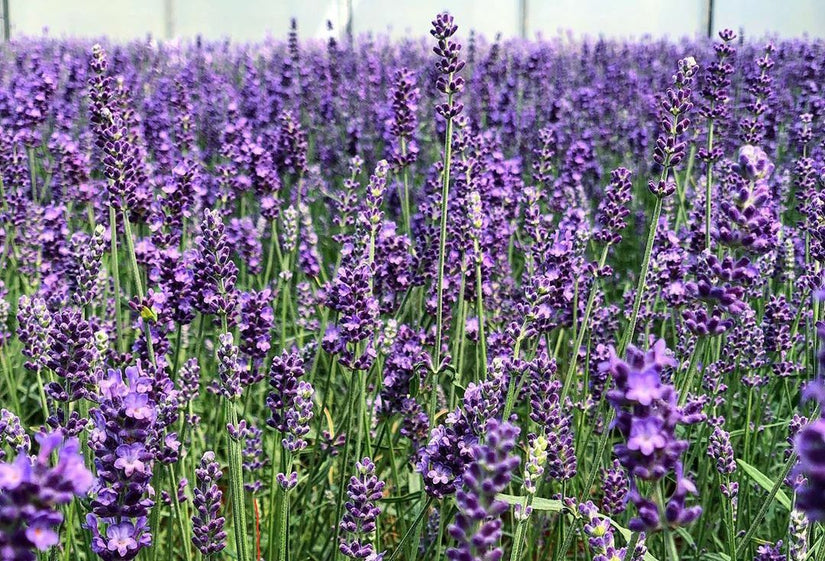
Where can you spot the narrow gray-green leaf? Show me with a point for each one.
(765, 482)
(550, 505)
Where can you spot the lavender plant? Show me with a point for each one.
(228, 272)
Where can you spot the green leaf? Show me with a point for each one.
(765, 482)
(553, 505)
(550, 505)
(716, 556)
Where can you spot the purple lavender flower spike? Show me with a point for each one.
(478, 525)
(124, 422)
(359, 521)
(215, 272)
(298, 418)
(32, 490)
(208, 534)
(647, 415)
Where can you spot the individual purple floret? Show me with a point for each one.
(770, 552)
(478, 525)
(359, 521)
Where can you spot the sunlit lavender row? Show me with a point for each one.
(451, 297)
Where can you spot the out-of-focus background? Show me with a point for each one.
(251, 20)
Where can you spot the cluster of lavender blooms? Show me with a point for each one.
(124, 464)
(32, 490)
(647, 416)
(552, 299)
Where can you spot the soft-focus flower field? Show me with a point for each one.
(424, 299)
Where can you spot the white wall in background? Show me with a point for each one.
(247, 20)
(790, 18)
(413, 17)
(674, 18)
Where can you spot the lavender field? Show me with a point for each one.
(454, 297)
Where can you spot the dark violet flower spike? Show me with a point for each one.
(448, 65)
(477, 527)
(613, 209)
(670, 148)
(208, 534)
(361, 512)
(123, 424)
(647, 415)
(215, 272)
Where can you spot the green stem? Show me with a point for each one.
(116, 278)
(521, 529)
(12, 388)
(442, 244)
(640, 287)
(178, 513)
(709, 186)
(345, 460)
(415, 525)
(482, 330)
(130, 246)
(763, 510)
(236, 487)
(582, 329)
(691, 373)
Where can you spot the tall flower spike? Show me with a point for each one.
(298, 418)
(478, 525)
(403, 151)
(207, 527)
(124, 423)
(229, 368)
(448, 65)
(283, 379)
(215, 272)
(34, 324)
(613, 209)
(647, 416)
(359, 521)
(670, 148)
(121, 157)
